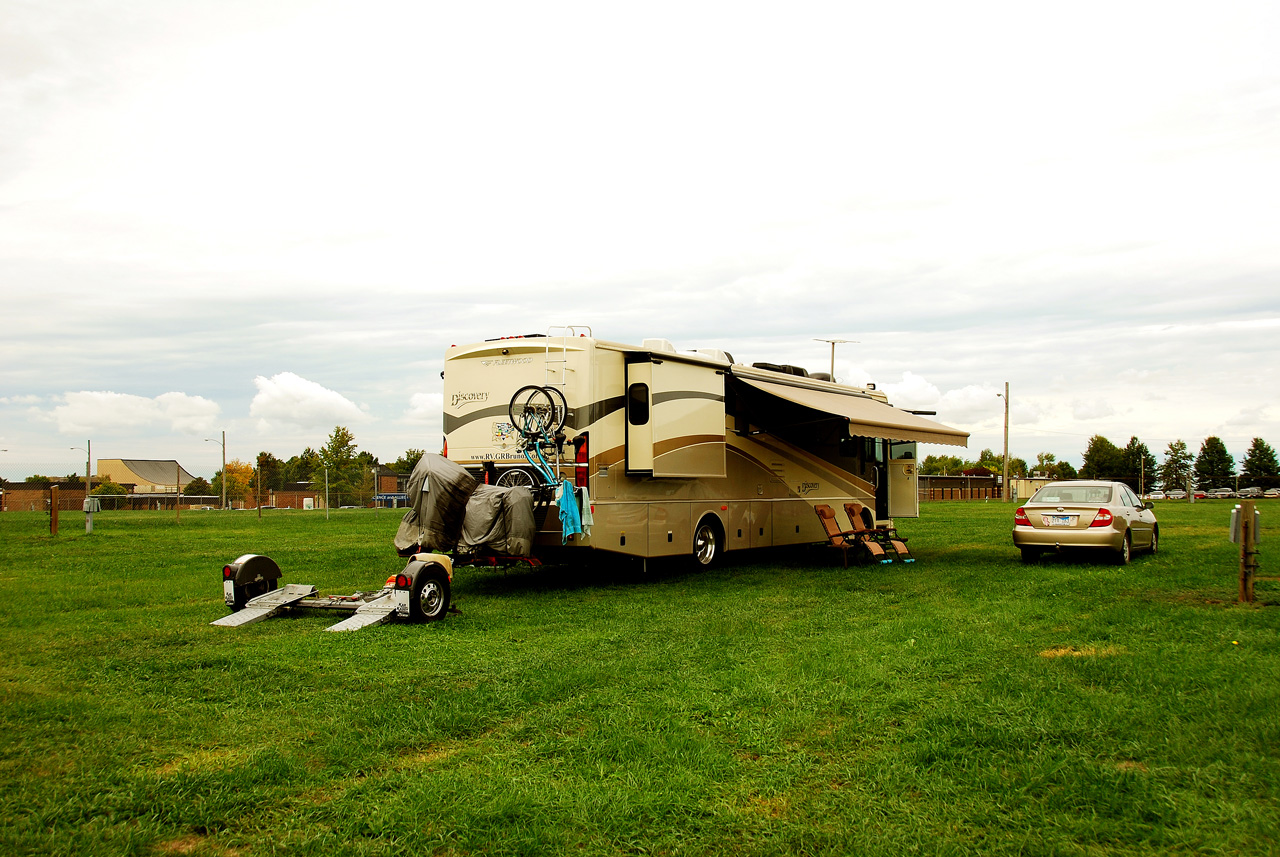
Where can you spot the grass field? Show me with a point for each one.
(966, 704)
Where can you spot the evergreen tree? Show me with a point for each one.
(1259, 468)
(1214, 467)
(1102, 459)
(1176, 468)
(1139, 470)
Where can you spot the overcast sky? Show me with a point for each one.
(271, 217)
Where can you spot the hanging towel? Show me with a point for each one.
(570, 519)
(588, 517)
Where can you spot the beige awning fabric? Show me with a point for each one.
(867, 417)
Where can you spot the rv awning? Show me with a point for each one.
(867, 417)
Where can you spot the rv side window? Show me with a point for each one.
(638, 404)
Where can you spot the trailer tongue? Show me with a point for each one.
(419, 593)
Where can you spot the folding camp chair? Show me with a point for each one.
(864, 524)
(846, 540)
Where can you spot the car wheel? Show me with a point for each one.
(1031, 555)
(707, 543)
(1126, 551)
(1155, 541)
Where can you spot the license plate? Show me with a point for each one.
(1059, 520)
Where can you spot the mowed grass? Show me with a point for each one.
(781, 704)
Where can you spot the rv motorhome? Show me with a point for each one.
(677, 452)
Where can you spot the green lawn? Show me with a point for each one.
(965, 704)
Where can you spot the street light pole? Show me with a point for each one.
(88, 484)
(223, 443)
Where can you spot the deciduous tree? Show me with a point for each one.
(239, 477)
(198, 487)
(405, 463)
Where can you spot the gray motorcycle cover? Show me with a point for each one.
(448, 508)
(438, 492)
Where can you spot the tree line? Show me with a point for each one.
(1213, 467)
(339, 465)
(349, 472)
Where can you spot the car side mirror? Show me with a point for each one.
(1148, 505)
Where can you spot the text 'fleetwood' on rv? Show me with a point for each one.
(670, 452)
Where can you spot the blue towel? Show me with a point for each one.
(570, 517)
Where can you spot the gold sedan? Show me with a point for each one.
(1085, 514)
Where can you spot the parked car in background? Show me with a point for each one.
(1271, 492)
(1086, 514)
(1249, 493)
(1177, 494)
(1156, 495)
(1220, 493)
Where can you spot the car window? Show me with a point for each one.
(1060, 494)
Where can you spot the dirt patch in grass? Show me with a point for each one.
(1128, 766)
(218, 758)
(193, 844)
(1086, 652)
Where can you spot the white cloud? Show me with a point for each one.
(293, 400)
(912, 393)
(1091, 409)
(101, 412)
(975, 403)
(425, 408)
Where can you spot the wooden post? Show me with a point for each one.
(1248, 551)
(53, 510)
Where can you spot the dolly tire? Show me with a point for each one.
(429, 595)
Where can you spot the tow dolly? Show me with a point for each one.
(420, 593)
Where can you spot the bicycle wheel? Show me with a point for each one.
(537, 411)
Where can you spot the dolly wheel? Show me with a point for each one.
(429, 595)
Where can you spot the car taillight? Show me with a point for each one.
(228, 572)
(1020, 517)
(1102, 519)
(402, 581)
(581, 460)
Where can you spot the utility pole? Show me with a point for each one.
(1004, 479)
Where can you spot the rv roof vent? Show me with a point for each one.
(658, 345)
(821, 376)
(715, 354)
(772, 367)
(795, 370)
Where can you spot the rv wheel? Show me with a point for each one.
(429, 595)
(708, 544)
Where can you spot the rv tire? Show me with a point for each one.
(708, 542)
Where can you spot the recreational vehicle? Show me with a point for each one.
(676, 452)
